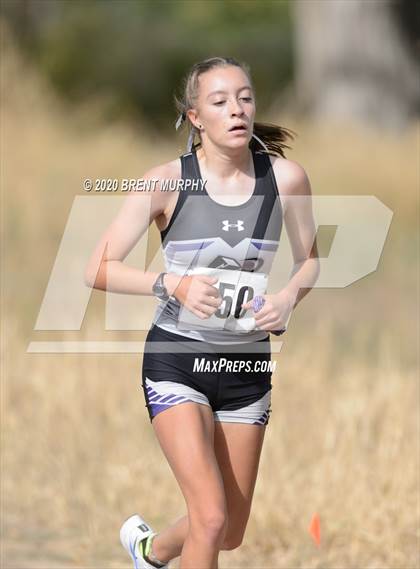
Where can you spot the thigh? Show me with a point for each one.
(241, 417)
(238, 449)
(186, 435)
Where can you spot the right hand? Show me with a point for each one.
(198, 295)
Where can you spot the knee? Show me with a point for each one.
(210, 526)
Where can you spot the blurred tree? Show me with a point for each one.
(136, 52)
(355, 59)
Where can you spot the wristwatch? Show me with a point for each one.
(159, 288)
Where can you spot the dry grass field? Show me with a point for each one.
(77, 445)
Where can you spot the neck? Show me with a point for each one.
(225, 164)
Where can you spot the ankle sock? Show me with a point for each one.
(148, 554)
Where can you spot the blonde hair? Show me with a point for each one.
(271, 137)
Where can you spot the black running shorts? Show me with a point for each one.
(234, 380)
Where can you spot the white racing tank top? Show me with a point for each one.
(236, 244)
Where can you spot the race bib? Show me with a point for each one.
(235, 288)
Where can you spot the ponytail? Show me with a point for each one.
(273, 136)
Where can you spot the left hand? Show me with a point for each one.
(276, 311)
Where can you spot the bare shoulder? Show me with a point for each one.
(160, 199)
(167, 170)
(290, 176)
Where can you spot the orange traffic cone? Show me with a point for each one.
(315, 529)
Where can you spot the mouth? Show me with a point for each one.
(238, 128)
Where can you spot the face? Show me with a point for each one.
(225, 101)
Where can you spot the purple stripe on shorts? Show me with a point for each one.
(262, 420)
(175, 398)
(167, 398)
(158, 407)
(156, 397)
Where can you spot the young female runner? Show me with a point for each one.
(208, 391)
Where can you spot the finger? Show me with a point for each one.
(249, 305)
(212, 301)
(264, 317)
(256, 304)
(212, 291)
(264, 312)
(267, 326)
(268, 322)
(198, 312)
(207, 279)
(206, 309)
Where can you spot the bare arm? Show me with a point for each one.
(106, 269)
(300, 227)
(301, 230)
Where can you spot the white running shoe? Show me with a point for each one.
(134, 530)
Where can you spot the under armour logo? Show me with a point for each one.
(239, 226)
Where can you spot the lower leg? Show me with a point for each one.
(168, 543)
(195, 548)
(202, 483)
(200, 552)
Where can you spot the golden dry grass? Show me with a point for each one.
(77, 445)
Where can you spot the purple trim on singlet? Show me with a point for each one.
(265, 246)
(174, 248)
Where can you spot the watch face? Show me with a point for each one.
(159, 289)
(162, 294)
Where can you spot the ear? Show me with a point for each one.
(193, 116)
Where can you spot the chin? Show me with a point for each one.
(240, 142)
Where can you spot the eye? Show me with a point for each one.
(247, 98)
(219, 103)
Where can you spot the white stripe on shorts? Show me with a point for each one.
(171, 393)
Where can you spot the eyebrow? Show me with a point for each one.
(221, 91)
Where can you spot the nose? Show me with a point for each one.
(236, 108)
